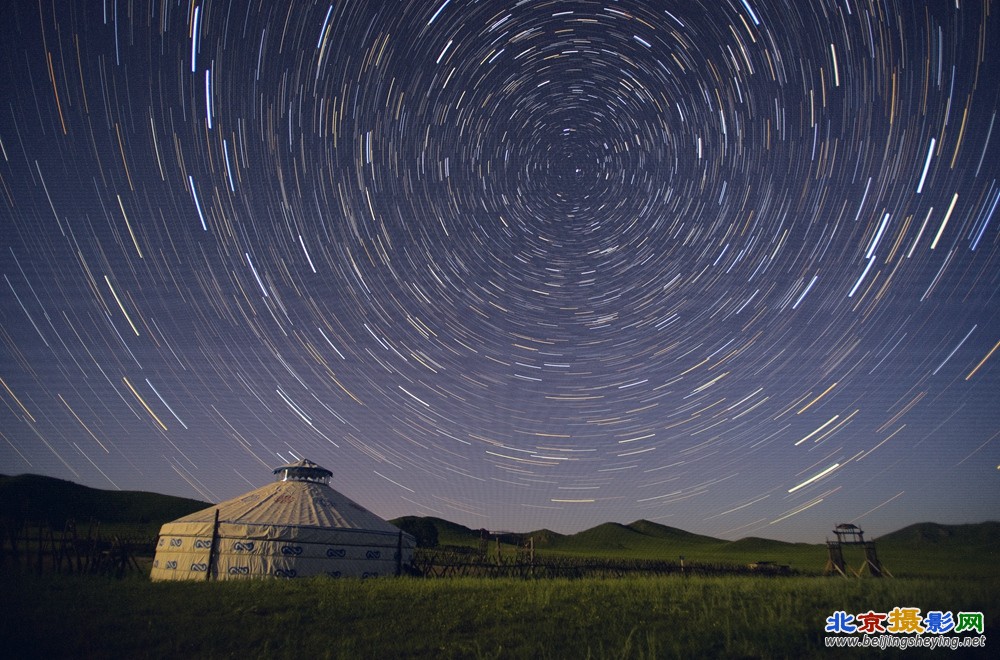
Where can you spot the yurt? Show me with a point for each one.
(296, 526)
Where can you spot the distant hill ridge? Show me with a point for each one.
(35, 498)
(607, 536)
(38, 498)
(985, 534)
(644, 533)
(635, 535)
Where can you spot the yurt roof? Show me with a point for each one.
(301, 498)
(303, 470)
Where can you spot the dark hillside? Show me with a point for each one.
(979, 535)
(659, 531)
(449, 533)
(641, 537)
(545, 537)
(37, 499)
(609, 536)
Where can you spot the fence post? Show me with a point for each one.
(40, 548)
(76, 552)
(92, 541)
(57, 552)
(14, 551)
(399, 554)
(212, 551)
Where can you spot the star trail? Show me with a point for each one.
(730, 266)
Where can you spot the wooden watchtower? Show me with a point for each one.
(852, 535)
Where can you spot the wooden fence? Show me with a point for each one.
(433, 563)
(41, 549)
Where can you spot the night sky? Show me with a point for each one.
(730, 266)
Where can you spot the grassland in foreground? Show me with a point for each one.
(73, 616)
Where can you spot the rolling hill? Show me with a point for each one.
(38, 499)
(640, 539)
(983, 535)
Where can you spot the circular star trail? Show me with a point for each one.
(730, 266)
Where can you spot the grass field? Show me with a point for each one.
(72, 616)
